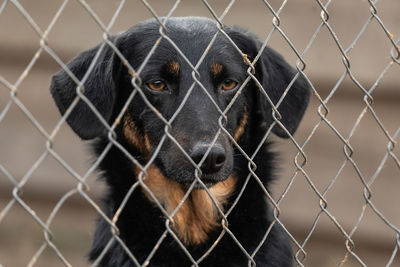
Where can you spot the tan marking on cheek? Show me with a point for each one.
(147, 142)
(242, 125)
(198, 215)
(173, 67)
(133, 136)
(216, 69)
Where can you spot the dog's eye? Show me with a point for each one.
(156, 85)
(229, 84)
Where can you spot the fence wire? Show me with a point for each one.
(300, 159)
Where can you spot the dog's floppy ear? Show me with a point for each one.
(99, 88)
(275, 75)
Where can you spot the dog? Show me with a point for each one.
(199, 157)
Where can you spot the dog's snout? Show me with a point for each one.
(213, 162)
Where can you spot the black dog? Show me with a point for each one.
(164, 81)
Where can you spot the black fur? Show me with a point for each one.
(109, 85)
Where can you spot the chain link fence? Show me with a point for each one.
(353, 195)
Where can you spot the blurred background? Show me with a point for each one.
(24, 159)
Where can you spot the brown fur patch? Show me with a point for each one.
(240, 130)
(131, 133)
(216, 69)
(146, 142)
(198, 215)
(173, 67)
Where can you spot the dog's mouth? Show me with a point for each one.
(206, 180)
(199, 186)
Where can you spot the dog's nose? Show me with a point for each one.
(215, 158)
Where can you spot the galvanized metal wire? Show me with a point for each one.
(300, 159)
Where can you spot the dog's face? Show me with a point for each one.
(196, 104)
(168, 83)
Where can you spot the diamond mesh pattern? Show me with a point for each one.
(301, 159)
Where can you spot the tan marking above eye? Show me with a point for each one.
(216, 69)
(173, 67)
(156, 85)
(229, 84)
(241, 128)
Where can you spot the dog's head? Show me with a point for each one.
(196, 103)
